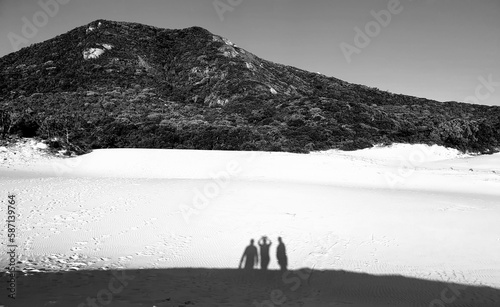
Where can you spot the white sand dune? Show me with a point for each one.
(417, 211)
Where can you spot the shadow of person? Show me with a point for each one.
(281, 255)
(250, 256)
(264, 252)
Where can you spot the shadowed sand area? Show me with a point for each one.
(233, 287)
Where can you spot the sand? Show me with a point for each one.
(232, 287)
(426, 214)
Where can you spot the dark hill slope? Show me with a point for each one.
(118, 84)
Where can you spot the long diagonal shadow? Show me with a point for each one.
(233, 287)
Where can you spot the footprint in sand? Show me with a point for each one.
(55, 231)
(150, 221)
(125, 259)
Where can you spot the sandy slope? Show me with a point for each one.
(411, 210)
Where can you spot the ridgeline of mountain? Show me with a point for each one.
(120, 84)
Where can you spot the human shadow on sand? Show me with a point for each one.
(234, 287)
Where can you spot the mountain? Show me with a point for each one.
(120, 84)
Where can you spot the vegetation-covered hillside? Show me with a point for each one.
(118, 84)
